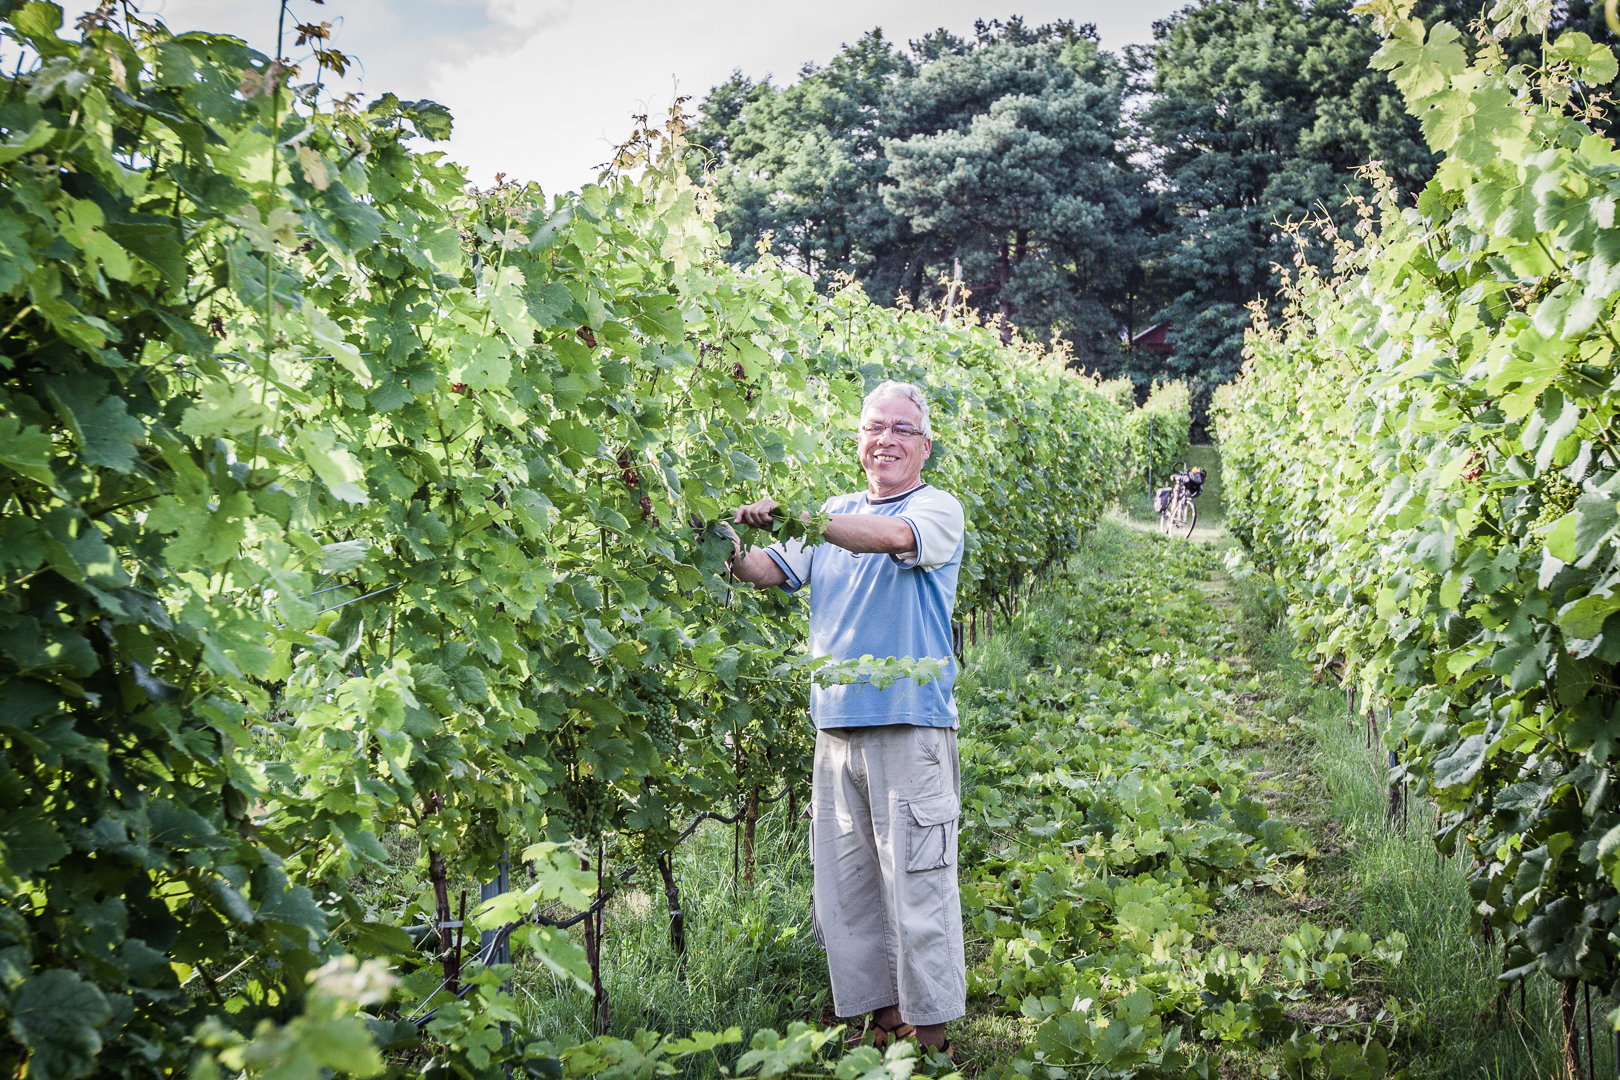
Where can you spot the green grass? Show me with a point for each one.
(751, 959)
(1375, 878)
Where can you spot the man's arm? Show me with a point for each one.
(871, 533)
(758, 569)
(853, 532)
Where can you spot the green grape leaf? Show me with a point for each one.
(1421, 68)
(335, 466)
(107, 435)
(225, 409)
(26, 450)
(55, 1014)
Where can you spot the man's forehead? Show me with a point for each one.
(889, 402)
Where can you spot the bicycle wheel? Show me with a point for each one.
(1165, 518)
(1190, 514)
(1180, 511)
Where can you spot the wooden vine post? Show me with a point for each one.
(601, 1006)
(750, 826)
(1572, 1046)
(677, 917)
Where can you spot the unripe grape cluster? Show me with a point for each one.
(660, 701)
(1558, 497)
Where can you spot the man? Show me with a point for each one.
(886, 786)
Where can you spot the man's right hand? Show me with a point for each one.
(757, 514)
(754, 566)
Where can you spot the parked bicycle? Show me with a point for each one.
(1177, 513)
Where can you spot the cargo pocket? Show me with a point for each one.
(931, 843)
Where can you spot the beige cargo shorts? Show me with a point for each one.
(884, 807)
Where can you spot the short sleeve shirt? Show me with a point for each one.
(883, 606)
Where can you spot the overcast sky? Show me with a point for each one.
(543, 89)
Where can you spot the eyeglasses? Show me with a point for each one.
(872, 429)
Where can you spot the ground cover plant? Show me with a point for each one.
(1375, 875)
(1110, 824)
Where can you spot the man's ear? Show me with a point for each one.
(928, 448)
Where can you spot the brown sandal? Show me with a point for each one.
(882, 1036)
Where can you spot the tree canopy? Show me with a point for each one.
(1004, 153)
(1081, 193)
(1259, 112)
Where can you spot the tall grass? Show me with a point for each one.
(1382, 878)
(751, 960)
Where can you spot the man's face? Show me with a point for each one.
(893, 462)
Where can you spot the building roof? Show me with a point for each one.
(1153, 339)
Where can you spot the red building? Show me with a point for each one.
(1153, 339)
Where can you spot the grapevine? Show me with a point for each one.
(1421, 455)
(344, 503)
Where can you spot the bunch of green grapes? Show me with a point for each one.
(660, 702)
(1558, 495)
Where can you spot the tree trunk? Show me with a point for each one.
(439, 878)
(1397, 799)
(1004, 304)
(601, 1009)
(441, 906)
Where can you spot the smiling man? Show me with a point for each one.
(886, 783)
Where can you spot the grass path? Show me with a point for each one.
(1369, 874)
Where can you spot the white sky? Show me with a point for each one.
(543, 89)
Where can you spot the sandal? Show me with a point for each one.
(882, 1036)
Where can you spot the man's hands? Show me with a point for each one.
(860, 533)
(757, 514)
(754, 567)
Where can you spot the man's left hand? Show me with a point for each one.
(757, 514)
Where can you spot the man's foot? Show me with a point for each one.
(887, 1027)
(883, 1036)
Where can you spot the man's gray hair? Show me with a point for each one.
(910, 391)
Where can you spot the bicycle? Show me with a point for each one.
(1178, 515)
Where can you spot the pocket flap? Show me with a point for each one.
(935, 810)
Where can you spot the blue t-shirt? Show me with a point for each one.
(879, 605)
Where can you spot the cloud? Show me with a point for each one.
(529, 17)
(543, 89)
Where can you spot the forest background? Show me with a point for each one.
(1086, 195)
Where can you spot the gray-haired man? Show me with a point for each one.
(886, 784)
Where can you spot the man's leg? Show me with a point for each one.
(849, 889)
(915, 782)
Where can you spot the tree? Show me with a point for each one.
(1015, 166)
(803, 163)
(1260, 112)
(1001, 152)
